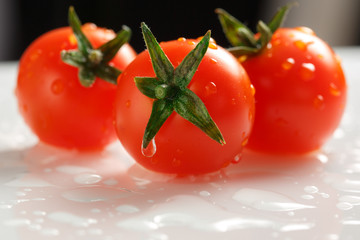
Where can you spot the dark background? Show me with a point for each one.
(167, 19)
(21, 21)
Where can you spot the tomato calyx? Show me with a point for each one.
(169, 89)
(94, 62)
(243, 40)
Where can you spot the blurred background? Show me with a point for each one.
(21, 21)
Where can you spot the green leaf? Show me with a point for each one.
(84, 44)
(189, 65)
(73, 58)
(86, 76)
(162, 66)
(147, 85)
(110, 48)
(265, 33)
(279, 17)
(236, 32)
(242, 50)
(107, 73)
(161, 110)
(189, 106)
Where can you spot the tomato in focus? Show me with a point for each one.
(58, 109)
(300, 92)
(181, 147)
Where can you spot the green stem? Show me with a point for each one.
(169, 88)
(94, 62)
(243, 39)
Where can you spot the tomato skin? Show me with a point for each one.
(182, 148)
(51, 100)
(300, 93)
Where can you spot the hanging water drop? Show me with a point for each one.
(150, 150)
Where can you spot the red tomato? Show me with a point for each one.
(181, 147)
(57, 108)
(300, 92)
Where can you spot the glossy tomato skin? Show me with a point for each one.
(182, 148)
(56, 107)
(300, 93)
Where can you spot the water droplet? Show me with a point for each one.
(127, 209)
(57, 86)
(311, 189)
(35, 55)
(334, 90)
(268, 201)
(150, 150)
(344, 206)
(307, 71)
(288, 64)
(190, 42)
(237, 158)
(72, 39)
(181, 39)
(111, 182)
(176, 162)
(128, 103)
(213, 60)
(302, 45)
(242, 58)
(210, 88)
(204, 193)
(17, 222)
(307, 197)
(87, 178)
(253, 90)
(213, 45)
(245, 141)
(318, 102)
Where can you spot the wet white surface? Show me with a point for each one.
(48, 193)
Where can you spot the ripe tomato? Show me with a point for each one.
(182, 148)
(300, 92)
(300, 85)
(58, 109)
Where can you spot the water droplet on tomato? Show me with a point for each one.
(334, 90)
(253, 90)
(150, 150)
(245, 141)
(302, 45)
(128, 103)
(213, 45)
(190, 42)
(181, 39)
(307, 71)
(210, 88)
(237, 158)
(35, 55)
(57, 86)
(242, 58)
(176, 162)
(72, 39)
(213, 60)
(288, 64)
(318, 102)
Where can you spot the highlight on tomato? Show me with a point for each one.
(300, 85)
(66, 106)
(178, 103)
